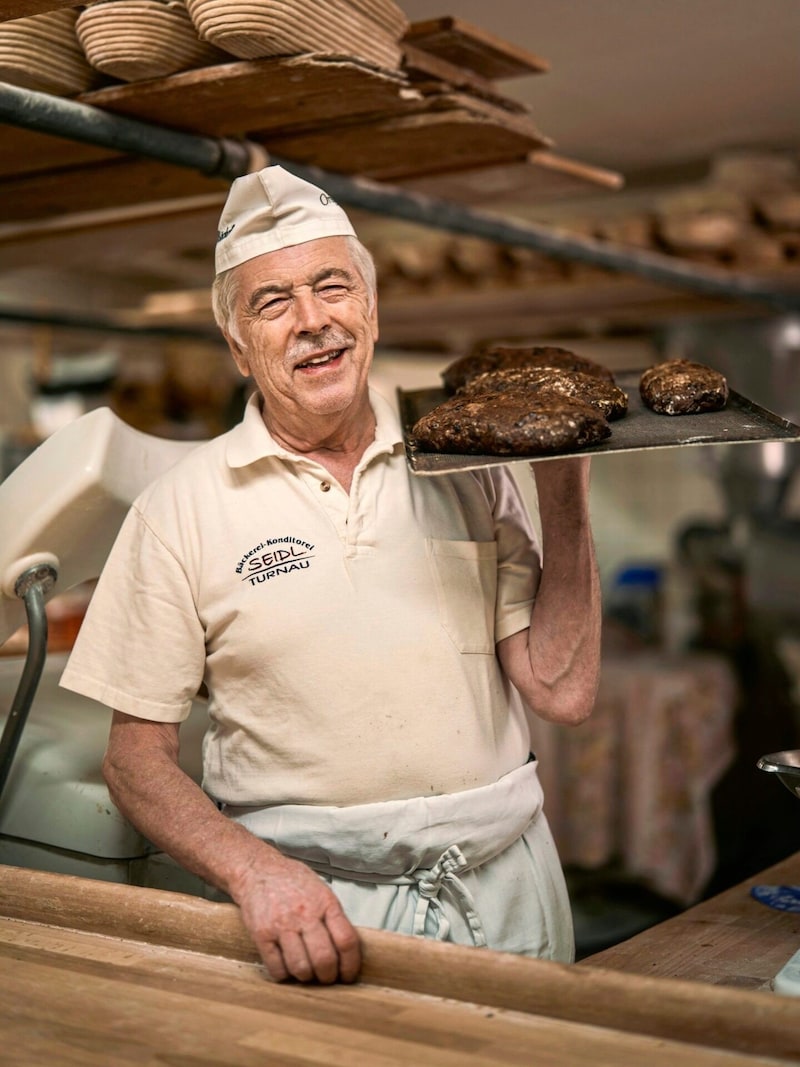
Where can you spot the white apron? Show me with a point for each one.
(477, 867)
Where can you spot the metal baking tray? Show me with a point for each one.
(739, 422)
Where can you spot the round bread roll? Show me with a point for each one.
(680, 387)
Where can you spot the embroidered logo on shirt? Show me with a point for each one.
(273, 557)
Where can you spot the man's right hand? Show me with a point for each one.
(297, 922)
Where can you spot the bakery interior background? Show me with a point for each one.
(696, 105)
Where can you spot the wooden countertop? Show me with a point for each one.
(729, 940)
(101, 973)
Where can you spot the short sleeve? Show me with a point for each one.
(141, 647)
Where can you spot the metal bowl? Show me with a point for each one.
(787, 767)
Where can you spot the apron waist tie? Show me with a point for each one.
(408, 843)
(430, 883)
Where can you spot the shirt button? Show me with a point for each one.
(325, 486)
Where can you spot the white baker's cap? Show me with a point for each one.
(273, 209)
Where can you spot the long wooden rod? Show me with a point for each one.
(720, 1018)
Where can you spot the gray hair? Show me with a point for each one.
(226, 287)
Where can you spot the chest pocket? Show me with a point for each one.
(465, 573)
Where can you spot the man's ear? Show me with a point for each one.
(239, 354)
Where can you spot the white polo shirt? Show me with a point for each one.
(347, 641)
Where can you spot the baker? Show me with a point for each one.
(375, 645)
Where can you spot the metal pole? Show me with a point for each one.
(442, 214)
(32, 586)
(231, 159)
(215, 157)
(98, 324)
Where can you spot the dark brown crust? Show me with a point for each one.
(505, 424)
(679, 387)
(605, 396)
(495, 357)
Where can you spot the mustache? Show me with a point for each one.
(321, 342)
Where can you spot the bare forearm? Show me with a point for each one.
(564, 638)
(295, 920)
(173, 812)
(556, 663)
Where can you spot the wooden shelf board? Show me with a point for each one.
(340, 116)
(462, 43)
(25, 152)
(543, 308)
(274, 94)
(17, 9)
(225, 100)
(423, 69)
(541, 175)
(78, 178)
(391, 149)
(119, 182)
(597, 302)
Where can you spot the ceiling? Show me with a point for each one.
(654, 90)
(644, 85)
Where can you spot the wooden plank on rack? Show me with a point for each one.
(277, 93)
(116, 183)
(338, 115)
(465, 45)
(24, 152)
(544, 307)
(17, 9)
(306, 110)
(224, 100)
(426, 71)
(397, 148)
(386, 149)
(541, 175)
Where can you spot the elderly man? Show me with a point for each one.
(374, 644)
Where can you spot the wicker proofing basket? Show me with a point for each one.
(386, 13)
(42, 52)
(136, 39)
(251, 29)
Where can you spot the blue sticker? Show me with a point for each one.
(781, 897)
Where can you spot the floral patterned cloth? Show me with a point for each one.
(632, 784)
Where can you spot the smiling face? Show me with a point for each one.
(305, 330)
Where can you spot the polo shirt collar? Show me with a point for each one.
(250, 440)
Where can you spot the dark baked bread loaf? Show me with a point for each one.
(495, 357)
(679, 387)
(605, 396)
(455, 375)
(508, 424)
